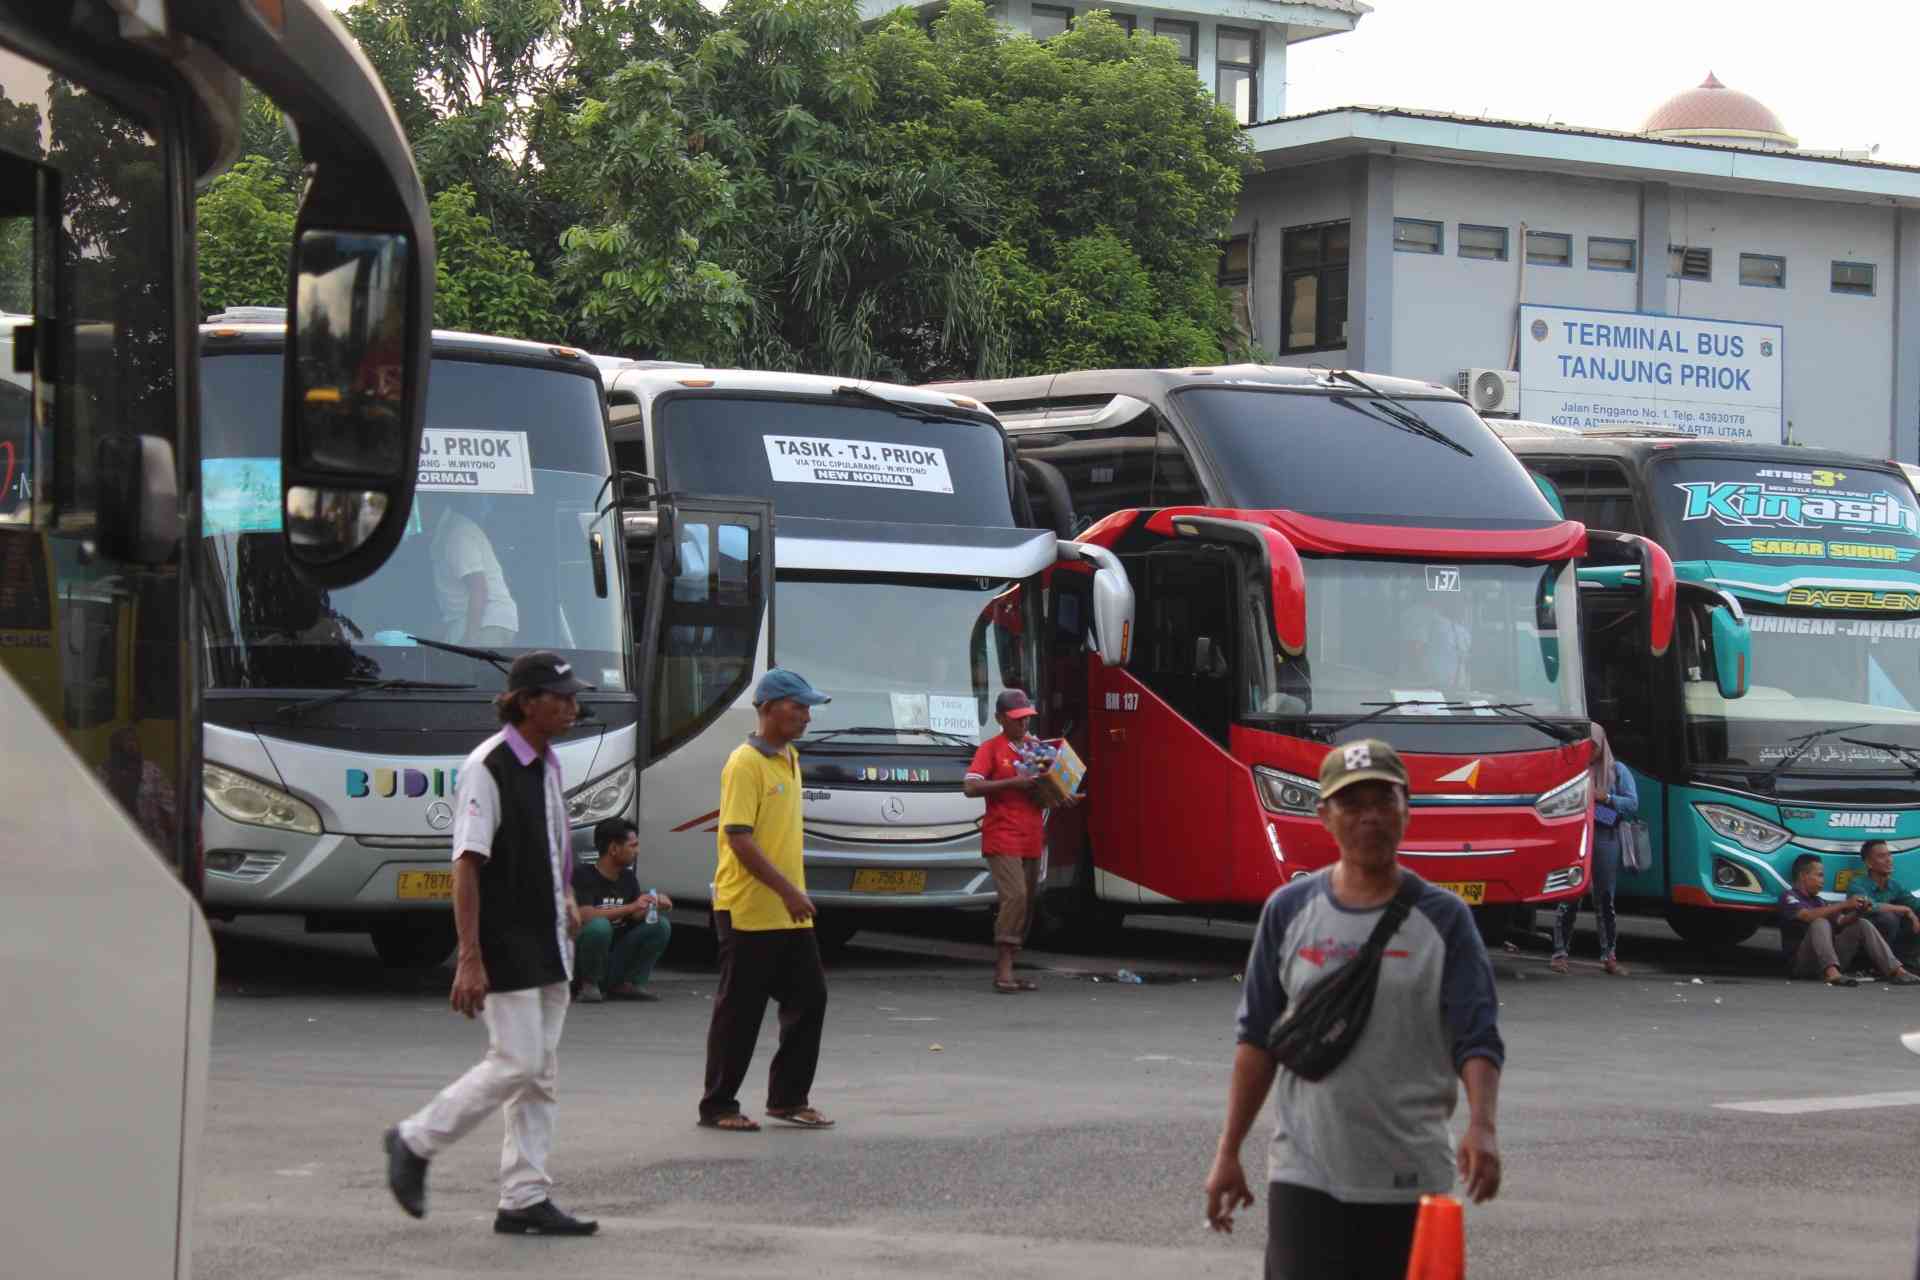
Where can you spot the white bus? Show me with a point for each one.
(336, 720)
(116, 112)
(906, 584)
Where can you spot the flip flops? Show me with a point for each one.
(732, 1122)
(801, 1117)
(1014, 987)
(1843, 981)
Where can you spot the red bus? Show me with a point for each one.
(1316, 557)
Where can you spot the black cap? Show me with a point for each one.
(546, 671)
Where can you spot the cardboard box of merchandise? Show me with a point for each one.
(1065, 778)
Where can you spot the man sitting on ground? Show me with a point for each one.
(1892, 910)
(1820, 937)
(617, 948)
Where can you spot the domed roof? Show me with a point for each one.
(1713, 111)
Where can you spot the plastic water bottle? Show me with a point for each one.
(653, 906)
(1128, 976)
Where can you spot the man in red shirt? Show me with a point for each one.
(1004, 772)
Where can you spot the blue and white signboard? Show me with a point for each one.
(1590, 369)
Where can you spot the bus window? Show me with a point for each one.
(1107, 470)
(1618, 688)
(709, 628)
(1188, 634)
(1594, 491)
(1175, 483)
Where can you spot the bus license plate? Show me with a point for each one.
(874, 880)
(1472, 892)
(430, 886)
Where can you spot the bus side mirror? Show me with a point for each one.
(1651, 568)
(356, 387)
(1112, 622)
(1732, 652)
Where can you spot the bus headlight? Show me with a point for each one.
(1565, 800)
(258, 804)
(607, 796)
(1286, 792)
(1743, 828)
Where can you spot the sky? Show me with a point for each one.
(1837, 74)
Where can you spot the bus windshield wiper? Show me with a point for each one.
(1565, 733)
(1906, 755)
(1800, 745)
(1393, 411)
(498, 659)
(1382, 708)
(363, 685)
(938, 735)
(919, 413)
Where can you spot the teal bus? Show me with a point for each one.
(1785, 717)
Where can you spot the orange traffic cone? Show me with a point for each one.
(1439, 1241)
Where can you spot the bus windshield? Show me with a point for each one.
(1454, 640)
(1813, 673)
(495, 555)
(845, 459)
(1280, 450)
(929, 675)
(1773, 513)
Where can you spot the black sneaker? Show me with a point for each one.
(543, 1219)
(406, 1174)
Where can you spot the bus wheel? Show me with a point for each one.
(414, 942)
(1705, 927)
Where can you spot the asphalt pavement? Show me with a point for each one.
(1062, 1133)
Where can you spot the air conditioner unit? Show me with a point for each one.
(1491, 390)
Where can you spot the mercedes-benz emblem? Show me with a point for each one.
(439, 815)
(894, 809)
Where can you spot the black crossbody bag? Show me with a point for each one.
(1315, 1035)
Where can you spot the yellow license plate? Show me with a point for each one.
(873, 880)
(432, 886)
(1472, 892)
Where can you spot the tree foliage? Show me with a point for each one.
(481, 283)
(246, 236)
(770, 184)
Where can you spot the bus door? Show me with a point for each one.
(1066, 672)
(701, 575)
(1160, 729)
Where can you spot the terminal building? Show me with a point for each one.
(1702, 272)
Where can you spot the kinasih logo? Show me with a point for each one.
(1745, 505)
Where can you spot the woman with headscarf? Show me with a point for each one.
(1615, 800)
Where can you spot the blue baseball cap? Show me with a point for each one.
(781, 683)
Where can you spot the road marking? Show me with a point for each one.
(1808, 1106)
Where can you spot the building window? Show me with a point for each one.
(1689, 262)
(1185, 37)
(1050, 21)
(1853, 277)
(1313, 287)
(1763, 271)
(1417, 235)
(1235, 83)
(1489, 243)
(1236, 276)
(1607, 254)
(1549, 249)
(1126, 20)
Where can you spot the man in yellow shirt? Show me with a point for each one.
(764, 918)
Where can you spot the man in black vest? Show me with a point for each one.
(514, 909)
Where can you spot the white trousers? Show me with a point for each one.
(519, 1073)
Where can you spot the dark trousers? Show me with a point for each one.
(1312, 1236)
(1606, 874)
(757, 965)
(1898, 932)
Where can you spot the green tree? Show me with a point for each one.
(1112, 172)
(246, 236)
(481, 283)
(748, 206)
